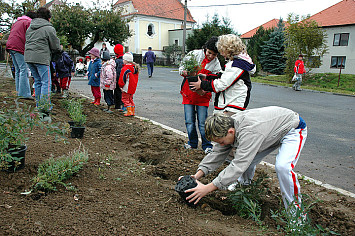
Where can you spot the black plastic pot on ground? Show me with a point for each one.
(77, 132)
(18, 152)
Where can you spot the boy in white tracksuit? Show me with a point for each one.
(254, 133)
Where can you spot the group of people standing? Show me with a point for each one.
(34, 47)
(118, 79)
(247, 135)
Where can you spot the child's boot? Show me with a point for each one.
(132, 111)
(129, 111)
(97, 102)
(93, 102)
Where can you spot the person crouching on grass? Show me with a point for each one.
(128, 82)
(108, 80)
(94, 75)
(254, 133)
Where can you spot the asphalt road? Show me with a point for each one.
(328, 154)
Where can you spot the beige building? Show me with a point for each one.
(151, 21)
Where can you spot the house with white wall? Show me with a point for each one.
(338, 22)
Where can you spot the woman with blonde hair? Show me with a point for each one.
(233, 85)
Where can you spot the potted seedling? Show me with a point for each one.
(16, 123)
(75, 110)
(191, 66)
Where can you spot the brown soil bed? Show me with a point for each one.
(127, 187)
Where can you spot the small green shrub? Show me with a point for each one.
(55, 171)
(246, 199)
(75, 111)
(190, 64)
(295, 221)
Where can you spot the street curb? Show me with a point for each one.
(317, 182)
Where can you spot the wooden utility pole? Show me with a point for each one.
(184, 30)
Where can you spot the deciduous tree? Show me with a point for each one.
(304, 37)
(78, 24)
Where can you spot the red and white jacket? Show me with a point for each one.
(208, 67)
(233, 85)
(128, 78)
(299, 67)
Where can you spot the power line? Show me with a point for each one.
(245, 3)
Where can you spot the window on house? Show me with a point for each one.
(150, 31)
(338, 62)
(176, 42)
(341, 39)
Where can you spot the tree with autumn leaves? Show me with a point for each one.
(76, 24)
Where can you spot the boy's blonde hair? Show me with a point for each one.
(217, 126)
(230, 45)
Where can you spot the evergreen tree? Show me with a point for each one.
(272, 52)
(215, 27)
(255, 43)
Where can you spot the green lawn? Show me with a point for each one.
(326, 82)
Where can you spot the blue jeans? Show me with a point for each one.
(190, 118)
(21, 74)
(150, 66)
(42, 76)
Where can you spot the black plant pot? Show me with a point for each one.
(185, 183)
(71, 123)
(19, 152)
(77, 132)
(192, 78)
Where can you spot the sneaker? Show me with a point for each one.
(233, 186)
(208, 150)
(188, 146)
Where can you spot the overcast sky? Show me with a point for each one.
(248, 16)
(245, 17)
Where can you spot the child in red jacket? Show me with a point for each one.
(128, 82)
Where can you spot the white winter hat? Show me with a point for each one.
(128, 57)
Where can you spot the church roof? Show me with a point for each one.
(171, 9)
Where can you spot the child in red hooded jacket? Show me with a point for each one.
(128, 82)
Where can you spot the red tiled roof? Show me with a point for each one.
(342, 13)
(270, 24)
(171, 9)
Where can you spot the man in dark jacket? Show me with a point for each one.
(150, 58)
(15, 45)
(41, 43)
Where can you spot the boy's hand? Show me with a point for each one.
(200, 191)
(195, 85)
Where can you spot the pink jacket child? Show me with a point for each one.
(128, 82)
(108, 81)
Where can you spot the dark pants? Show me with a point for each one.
(118, 98)
(150, 66)
(108, 96)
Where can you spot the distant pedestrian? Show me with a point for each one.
(150, 58)
(15, 45)
(299, 70)
(41, 43)
(94, 71)
(104, 49)
(119, 64)
(108, 80)
(128, 82)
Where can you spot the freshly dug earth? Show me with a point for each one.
(127, 186)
